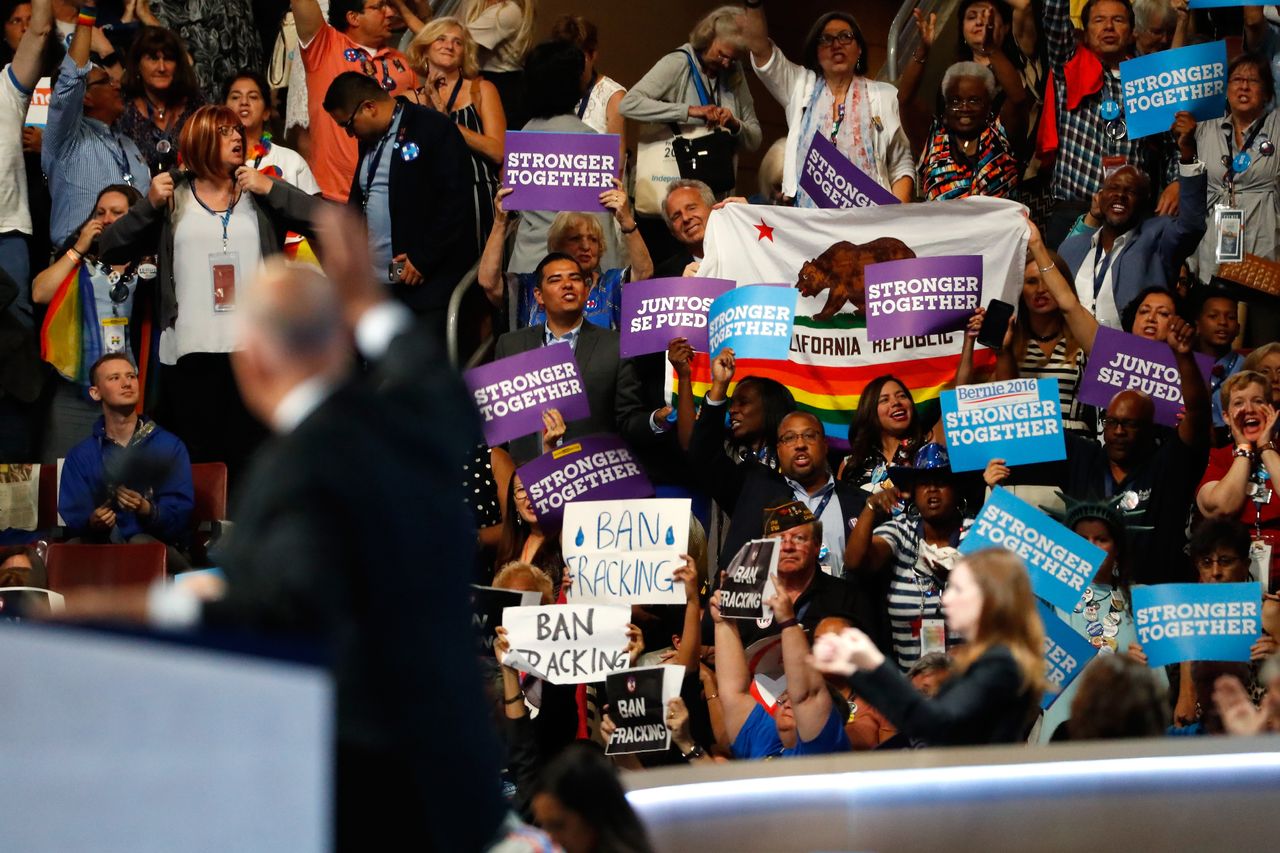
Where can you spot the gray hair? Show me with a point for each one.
(1145, 10)
(771, 165)
(686, 184)
(566, 220)
(295, 308)
(969, 69)
(932, 662)
(718, 23)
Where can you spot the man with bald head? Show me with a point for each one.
(1117, 249)
(1153, 470)
(328, 546)
(803, 475)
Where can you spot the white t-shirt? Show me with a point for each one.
(197, 234)
(1103, 306)
(293, 169)
(15, 215)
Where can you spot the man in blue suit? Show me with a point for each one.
(1117, 248)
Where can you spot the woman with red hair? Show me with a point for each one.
(995, 694)
(210, 227)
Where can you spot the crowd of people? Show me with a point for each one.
(139, 335)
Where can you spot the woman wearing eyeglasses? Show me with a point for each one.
(830, 95)
(1240, 155)
(211, 228)
(103, 294)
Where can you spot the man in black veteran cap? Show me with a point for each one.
(814, 594)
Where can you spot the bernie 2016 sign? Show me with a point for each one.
(1178, 622)
(1060, 562)
(1018, 420)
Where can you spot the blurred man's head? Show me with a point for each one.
(685, 210)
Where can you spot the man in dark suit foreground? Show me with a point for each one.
(331, 541)
(613, 388)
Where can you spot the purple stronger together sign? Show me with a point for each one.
(922, 296)
(512, 393)
(558, 171)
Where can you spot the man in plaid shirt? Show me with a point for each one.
(1083, 129)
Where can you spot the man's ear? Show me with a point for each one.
(537, 295)
(94, 394)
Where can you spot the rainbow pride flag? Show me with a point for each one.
(832, 359)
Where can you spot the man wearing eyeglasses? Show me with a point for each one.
(354, 38)
(1155, 482)
(411, 184)
(803, 475)
(82, 151)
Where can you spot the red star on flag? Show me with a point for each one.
(766, 232)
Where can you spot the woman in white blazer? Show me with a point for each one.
(830, 94)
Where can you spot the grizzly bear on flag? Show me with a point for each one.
(840, 270)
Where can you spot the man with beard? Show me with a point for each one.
(1118, 249)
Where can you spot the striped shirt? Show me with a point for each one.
(81, 155)
(914, 593)
(1034, 365)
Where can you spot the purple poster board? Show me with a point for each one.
(922, 296)
(513, 392)
(1121, 362)
(595, 468)
(832, 181)
(657, 310)
(558, 171)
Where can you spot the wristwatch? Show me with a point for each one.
(696, 752)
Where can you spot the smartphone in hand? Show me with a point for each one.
(995, 324)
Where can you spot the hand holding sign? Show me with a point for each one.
(553, 429)
(1184, 133)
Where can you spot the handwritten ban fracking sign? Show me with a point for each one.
(1197, 621)
(657, 310)
(754, 321)
(598, 467)
(558, 171)
(638, 705)
(1066, 653)
(624, 552)
(1018, 420)
(831, 180)
(567, 643)
(921, 296)
(1121, 362)
(1158, 85)
(513, 392)
(1061, 563)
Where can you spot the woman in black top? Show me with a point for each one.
(996, 692)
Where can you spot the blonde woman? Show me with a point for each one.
(502, 30)
(445, 55)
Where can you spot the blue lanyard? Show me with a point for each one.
(1100, 275)
(698, 84)
(377, 155)
(122, 160)
(582, 105)
(224, 217)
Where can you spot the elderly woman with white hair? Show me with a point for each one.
(580, 236)
(968, 150)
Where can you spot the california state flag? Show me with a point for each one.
(831, 358)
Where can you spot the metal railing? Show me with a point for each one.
(904, 37)
(453, 320)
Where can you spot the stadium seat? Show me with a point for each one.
(209, 480)
(71, 566)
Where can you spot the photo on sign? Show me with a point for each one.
(743, 585)
(638, 708)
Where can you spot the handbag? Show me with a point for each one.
(693, 153)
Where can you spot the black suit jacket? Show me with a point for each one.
(352, 531)
(432, 206)
(613, 389)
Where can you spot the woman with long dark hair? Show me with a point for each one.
(104, 294)
(886, 430)
(829, 94)
(1000, 675)
(525, 540)
(581, 805)
(160, 93)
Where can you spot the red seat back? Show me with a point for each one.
(70, 566)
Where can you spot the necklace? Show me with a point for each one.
(1044, 339)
